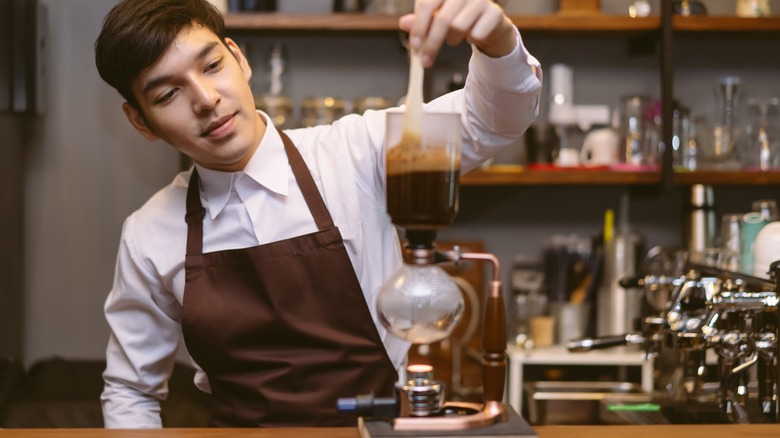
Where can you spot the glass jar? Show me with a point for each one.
(753, 8)
(362, 104)
(321, 111)
(278, 108)
(391, 7)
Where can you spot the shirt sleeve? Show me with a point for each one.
(498, 103)
(142, 346)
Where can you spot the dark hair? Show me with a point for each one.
(136, 33)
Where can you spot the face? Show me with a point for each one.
(197, 99)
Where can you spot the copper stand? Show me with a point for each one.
(494, 355)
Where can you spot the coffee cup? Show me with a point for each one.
(600, 147)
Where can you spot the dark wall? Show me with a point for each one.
(16, 134)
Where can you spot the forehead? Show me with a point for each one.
(182, 52)
(187, 45)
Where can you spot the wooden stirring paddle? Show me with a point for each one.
(414, 99)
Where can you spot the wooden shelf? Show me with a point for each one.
(260, 21)
(503, 177)
(725, 24)
(480, 177)
(722, 177)
(596, 24)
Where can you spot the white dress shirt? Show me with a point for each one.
(263, 204)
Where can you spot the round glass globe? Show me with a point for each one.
(420, 304)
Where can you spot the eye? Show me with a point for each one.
(166, 97)
(214, 65)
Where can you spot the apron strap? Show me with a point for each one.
(311, 193)
(194, 216)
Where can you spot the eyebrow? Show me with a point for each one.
(154, 82)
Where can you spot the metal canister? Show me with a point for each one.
(700, 219)
(618, 308)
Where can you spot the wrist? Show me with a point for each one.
(501, 43)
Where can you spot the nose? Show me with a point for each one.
(205, 97)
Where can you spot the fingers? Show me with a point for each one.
(484, 28)
(424, 11)
(405, 22)
(463, 22)
(439, 29)
(435, 22)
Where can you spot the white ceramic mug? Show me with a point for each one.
(600, 147)
(766, 249)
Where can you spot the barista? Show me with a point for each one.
(272, 277)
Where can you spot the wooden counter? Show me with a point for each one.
(678, 431)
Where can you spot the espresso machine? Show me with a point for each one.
(733, 316)
(422, 304)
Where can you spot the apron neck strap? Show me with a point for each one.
(194, 216)
(311, 193)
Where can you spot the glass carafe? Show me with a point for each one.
(423, 171)
(720, 147)
(760, 144)
(420, 303)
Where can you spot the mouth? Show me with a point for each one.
(218, 127)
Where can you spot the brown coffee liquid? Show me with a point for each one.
(422, 185)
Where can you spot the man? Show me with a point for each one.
(272, 278)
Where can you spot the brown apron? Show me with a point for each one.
(282, 330)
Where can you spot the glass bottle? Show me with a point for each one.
(681, 135)
(633, 122)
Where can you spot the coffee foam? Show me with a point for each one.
(408, 156)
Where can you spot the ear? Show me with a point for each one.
(242, 61)
(138, 122)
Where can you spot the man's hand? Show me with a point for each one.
(480, 22)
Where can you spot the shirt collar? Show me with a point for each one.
(268, 167)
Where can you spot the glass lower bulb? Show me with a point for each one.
(421, 304)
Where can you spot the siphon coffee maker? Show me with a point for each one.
(420, 302)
